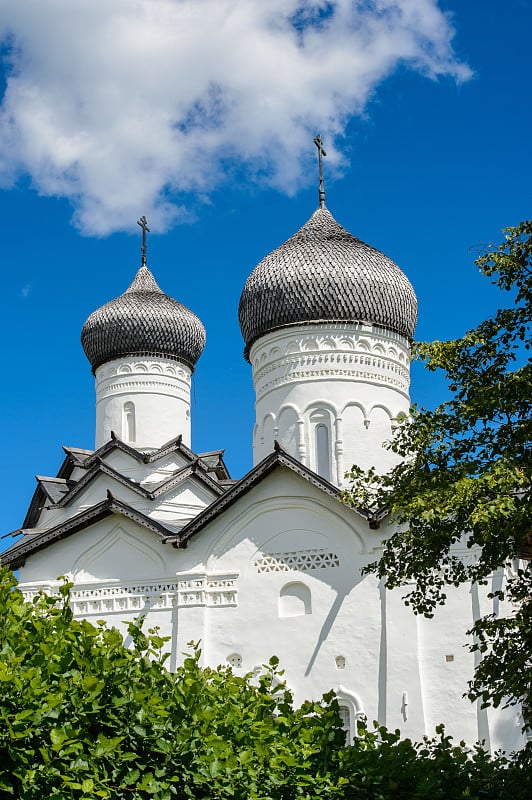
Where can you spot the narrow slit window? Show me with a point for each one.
(129, 422)
(345, 716)
(323, 465)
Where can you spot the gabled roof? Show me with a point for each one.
(49, 490)
(208, 467)
(211, 461)
(178, 535)
(37, 539)
(99, 467)
(278, 458)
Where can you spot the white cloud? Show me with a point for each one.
(121, 105)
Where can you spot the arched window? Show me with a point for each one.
(345, 716)
(320, 442)
(322, 445)
(294, 600)
(350, 712)
(129, 426)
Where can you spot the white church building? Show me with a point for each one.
(269, 564)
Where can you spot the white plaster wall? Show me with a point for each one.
(158, 389)
(348, 618)
(144, 473)
(353, 378)
(224, 590)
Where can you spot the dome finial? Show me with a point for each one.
(143, 222)
(318, 141)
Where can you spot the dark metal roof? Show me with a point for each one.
(143, 322)
(323, 273)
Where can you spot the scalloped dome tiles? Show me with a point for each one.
(323, 273)
(143, 322)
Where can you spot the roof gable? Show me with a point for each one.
(101, 468)
(208, 468)
(276, 459)
(35, 540)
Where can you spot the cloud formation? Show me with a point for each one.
(122, 106)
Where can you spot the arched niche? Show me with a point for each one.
(381, 423)
(129, 422)
(266, 435)
(295, 600)
(354, 434)
(321, 441)
(287, 435)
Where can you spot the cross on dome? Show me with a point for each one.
(318, 141)
(143, 222)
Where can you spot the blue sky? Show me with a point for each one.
(428, 127)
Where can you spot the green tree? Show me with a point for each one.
(84, 717)
(466, 474)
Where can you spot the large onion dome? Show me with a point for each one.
(143, 322)
(324, 274)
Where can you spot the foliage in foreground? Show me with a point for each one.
(466, 474)
(83, 717)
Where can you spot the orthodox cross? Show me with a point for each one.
(318, 141)
(143, 222)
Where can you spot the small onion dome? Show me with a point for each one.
(143, 322)
(324, 274)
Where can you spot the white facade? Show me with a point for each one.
(329, 394)
(279, 572)
(144, 401)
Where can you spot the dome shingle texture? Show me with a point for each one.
(143, 322)
(323, 273)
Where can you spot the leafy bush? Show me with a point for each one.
(84, 717)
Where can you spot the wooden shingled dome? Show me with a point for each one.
(323, 273)
(143, 322)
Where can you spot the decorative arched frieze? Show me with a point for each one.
(386, 409)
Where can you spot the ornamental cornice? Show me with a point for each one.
(313, 360)
(193, 589)
(150, 385)
(316, 339)
(400, 384)
(134, 366)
